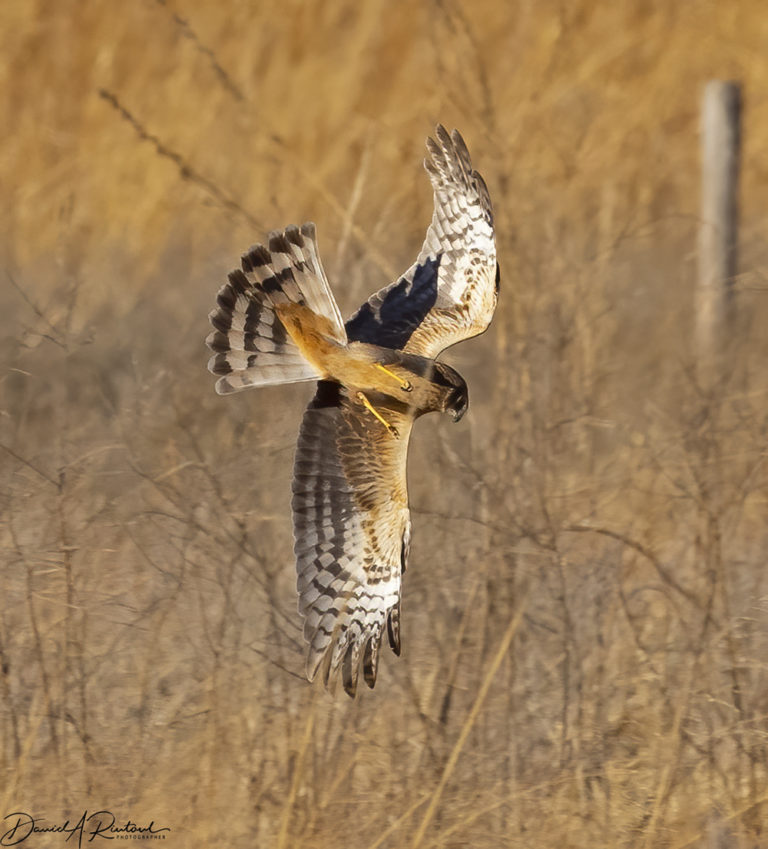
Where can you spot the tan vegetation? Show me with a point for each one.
(586, 609)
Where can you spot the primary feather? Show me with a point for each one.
(351, 530)
(450, 292)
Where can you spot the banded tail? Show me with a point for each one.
(250, 344)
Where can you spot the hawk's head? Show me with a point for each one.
(455, 396)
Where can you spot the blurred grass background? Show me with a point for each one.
(586, 610)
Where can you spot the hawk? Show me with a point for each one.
(276, 321)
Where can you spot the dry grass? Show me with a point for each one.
(586, 613)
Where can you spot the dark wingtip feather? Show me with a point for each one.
(326, 667)
(443, 136)
(349, 671)
(371, 660)
(393, 628)
(484, 194)
(461, 153)
(314, 659)
(434, 149)
(458, 142)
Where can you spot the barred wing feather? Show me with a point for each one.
(450, 292)
(351, 531)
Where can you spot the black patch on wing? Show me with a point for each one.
(402, 310)
(328, 395)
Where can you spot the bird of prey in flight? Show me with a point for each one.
(276, 321)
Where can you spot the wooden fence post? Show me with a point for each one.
(718, 228)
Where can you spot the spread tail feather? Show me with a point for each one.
(250, 344)
(251, 347)
(289, 271)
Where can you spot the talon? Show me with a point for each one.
(371, 409)
(405, 385)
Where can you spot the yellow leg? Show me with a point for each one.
(371, 409)
(405, 385)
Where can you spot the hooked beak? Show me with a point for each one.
(458, 413)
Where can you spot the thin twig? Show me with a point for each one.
(186, 171)
(640, 549)
(504, 645)
(36, 310)
(298, 766)
(32, 466)
(188, 33)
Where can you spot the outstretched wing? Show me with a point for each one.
(351, 530)
(450, 293)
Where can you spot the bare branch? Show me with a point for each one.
(186, 171)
